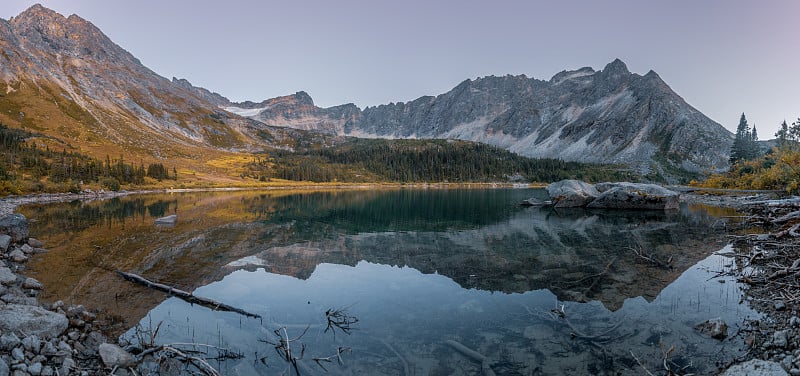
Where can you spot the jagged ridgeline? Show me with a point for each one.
(376, 160)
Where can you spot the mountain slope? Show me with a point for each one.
(61, 76)
(608, 116)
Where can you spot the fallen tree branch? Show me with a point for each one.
(486, 364)
(185, 296)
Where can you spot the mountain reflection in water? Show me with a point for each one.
(418, 267)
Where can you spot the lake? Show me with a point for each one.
(403, 281)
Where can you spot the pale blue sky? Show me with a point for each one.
(724, 57)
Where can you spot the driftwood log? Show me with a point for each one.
(185, 296)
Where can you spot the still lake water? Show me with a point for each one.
(442, 282)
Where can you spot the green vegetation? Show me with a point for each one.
(26, 167)
(744, 145)
(778, 169)
(29, 165)
(411, 161)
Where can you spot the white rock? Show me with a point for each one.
(115, 356)
(756, 367)
(32, 320)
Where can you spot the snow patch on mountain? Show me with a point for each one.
(246, 112)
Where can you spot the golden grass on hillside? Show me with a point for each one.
(779, 169)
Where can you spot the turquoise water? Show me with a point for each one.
(434, 282)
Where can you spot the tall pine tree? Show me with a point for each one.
(744, 145)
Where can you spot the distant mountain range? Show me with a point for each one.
(63, 77)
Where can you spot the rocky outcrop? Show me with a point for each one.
(571, 193)
(636, 196)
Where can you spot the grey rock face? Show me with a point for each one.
(115, 356)
(32, 320)
(635, 196)
(571, 193)
(15, 226)
(756, 367)
(608, 116)
(3, 367)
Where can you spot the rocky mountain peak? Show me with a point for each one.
(46, 30)
(616, 68)
(303, 98)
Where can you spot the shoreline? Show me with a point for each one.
(8, 204)
(77, 347)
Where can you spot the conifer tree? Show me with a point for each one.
(782, 135)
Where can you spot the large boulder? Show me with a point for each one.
(571, 193)
(15, 226)
(32, 320)
(635, 196)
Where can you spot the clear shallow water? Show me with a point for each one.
(533, 291)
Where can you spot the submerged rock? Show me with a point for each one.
(169, 220)
(714, 328)
(635, 196)
(535, 202)
(32, 320)
(756, 367)
(571, 193)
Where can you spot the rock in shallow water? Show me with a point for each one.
(635, 196)
(571, 193)
(714, 328)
